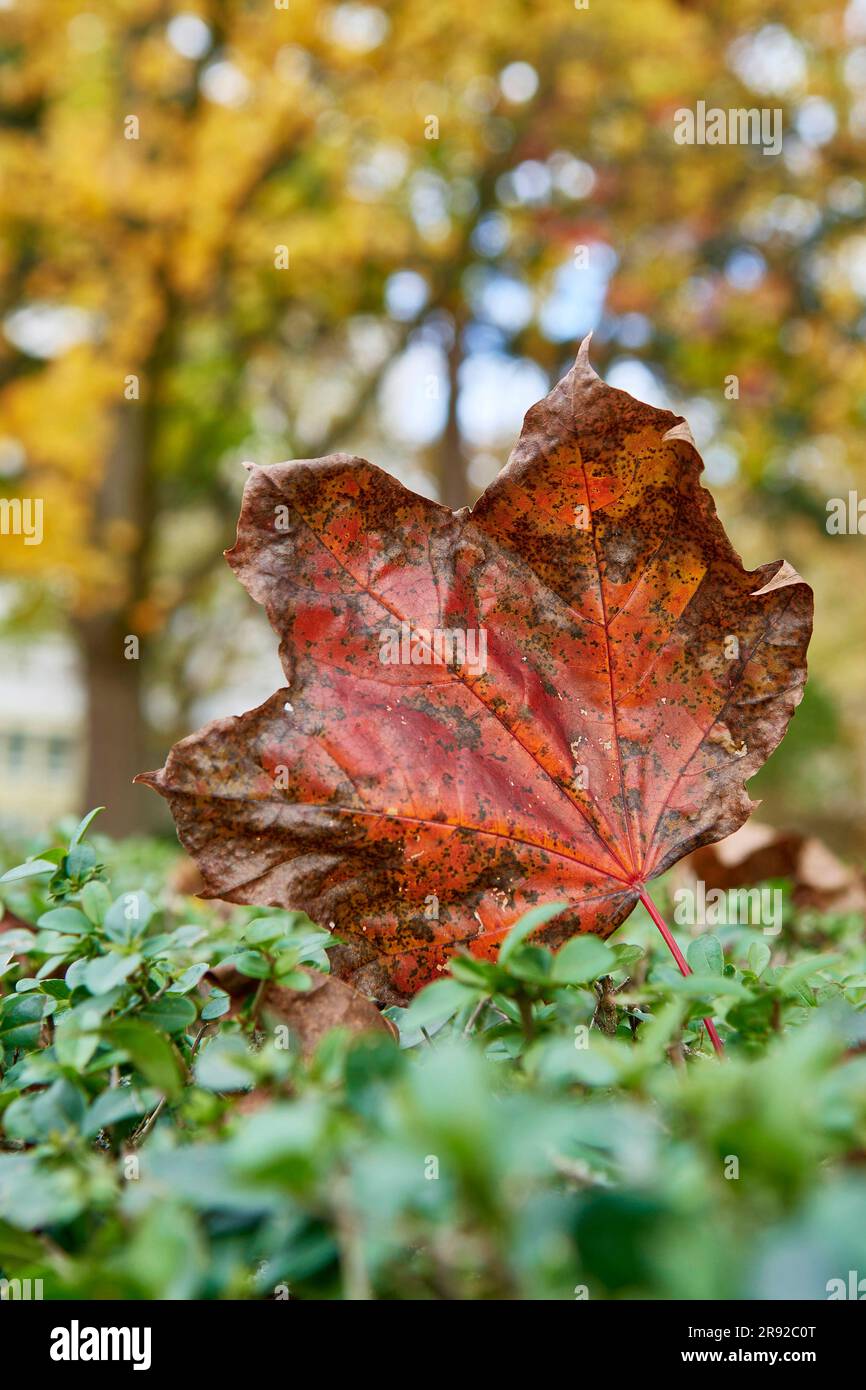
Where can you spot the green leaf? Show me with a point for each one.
(84, 825)
(218, 1003)
(116, 1104)
(582, 960)
(31, 869)
(434, 1005)
(149, 1052)
(790, 979)
(253, 964)
(49, 966)
(74, 976)
(80, 861)
(759, 957)
(21, 1019)
(66, 921)
(187, 936)
(189, 979)
(95, 901)
(536, 917)
(58, 989)
(18, 941)
(76, 1038)
(480, 974)
(296, 979)
(128, 917)
(172, 1014)
(627, 955)
(53, 1113)
(265, 929)
(285, 963)
(34, 1195)
(106, 972)
(225, 1064)
(705, 955)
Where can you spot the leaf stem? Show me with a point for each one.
(680, 960)
(527, 1018)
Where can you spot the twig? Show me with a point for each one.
(144, 1129)
(473, 1017)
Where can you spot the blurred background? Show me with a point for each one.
(266, 229)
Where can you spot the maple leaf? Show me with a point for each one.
(552, 697)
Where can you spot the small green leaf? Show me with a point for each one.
(218, 1003)
(31, 869)
(84, 825)
(434, 1005)
(172, 1014)
(536, 917)
(265, 929)
(116, 1104)
(95, 901)
(66, 921)
(224, 1065)
(57, 1111)
(705, 955)
(49, 966)
(149, 1052)
(759, 957)
(789, 979)
(189, 979)
(80, 861)
(128, 917)
(106, 972)
(18, 941)
(34, 1194)
(627, 955)
(582, 960)
(73, 1044)
(252, 963)
(18, 1009)
(58, 989)
(296, 979)
(187, 936)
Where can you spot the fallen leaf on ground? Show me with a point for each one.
(756, 853)
(309, 1014)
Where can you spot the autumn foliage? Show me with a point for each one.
(636, 675)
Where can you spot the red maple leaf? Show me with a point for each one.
(552, 697)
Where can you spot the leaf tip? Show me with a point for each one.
(582, 360)
(149, 779)
(681, 431)
(785, 574)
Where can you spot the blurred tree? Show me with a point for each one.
(229, 229)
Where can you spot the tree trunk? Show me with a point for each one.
(116, 735)
(115, 729)
(451, 464)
